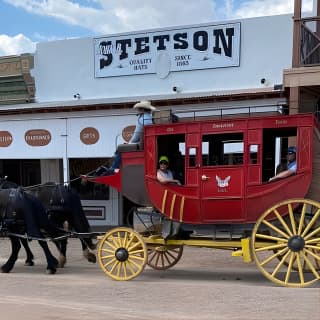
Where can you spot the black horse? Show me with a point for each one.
(63, 205)
(23, 214)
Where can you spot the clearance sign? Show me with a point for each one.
(202, 47)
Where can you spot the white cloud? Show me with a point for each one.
(256, 8)
(137, 14)
(114, 16)
(122, 15)
(128, 15)
(15, 45)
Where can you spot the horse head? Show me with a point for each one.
(6, 184)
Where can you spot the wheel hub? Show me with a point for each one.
(122, 254)
(296, 243)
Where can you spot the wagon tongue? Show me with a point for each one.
(113, 180)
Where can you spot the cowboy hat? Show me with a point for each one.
(144, 105)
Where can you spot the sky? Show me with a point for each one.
(24, 23)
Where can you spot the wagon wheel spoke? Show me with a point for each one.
(316, 256)
(286, 243)
(164, 257)
(274, 256)
(122, 254)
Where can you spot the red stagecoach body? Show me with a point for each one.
(232, 189)
(226, 200)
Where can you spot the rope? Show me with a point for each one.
(68, 235)
(62, 183)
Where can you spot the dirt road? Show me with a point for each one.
(205, 284)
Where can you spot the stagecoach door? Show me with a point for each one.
(221, 175)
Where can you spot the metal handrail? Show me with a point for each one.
(222, 112)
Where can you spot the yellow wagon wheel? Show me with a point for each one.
(287, 250)
(297, 221)
(164, 257)
(122, 253)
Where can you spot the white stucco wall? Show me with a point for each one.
(65, 136)
(64, 68)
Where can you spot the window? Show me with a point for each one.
(89, 190)
(192, 157)
(275, 145)
(222, 149)
(174, 147)
(253, 153)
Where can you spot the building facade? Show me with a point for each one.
(85, 89)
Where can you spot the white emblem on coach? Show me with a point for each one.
(222, 183)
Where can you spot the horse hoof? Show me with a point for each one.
(2, 270)
(62, 262)
(51, 271)
(29, 263)
(92, 258)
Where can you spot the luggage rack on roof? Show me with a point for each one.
(165, 116)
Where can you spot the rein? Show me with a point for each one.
(68, 234)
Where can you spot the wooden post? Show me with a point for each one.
(296, 34)
(294, 100)
(318, 14)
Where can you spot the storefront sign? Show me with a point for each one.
(127, 133)
(89, 135)
(202, 47)
(5, 138)
(37, 137)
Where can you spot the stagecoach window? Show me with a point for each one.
(253, 153)
(222, 149)
(174, 147)
(192, 157)
(182, 148)
(274, 152)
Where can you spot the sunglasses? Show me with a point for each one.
(164, 162)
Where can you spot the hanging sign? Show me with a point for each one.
(89, 135)
(37, 137)
(127, 133)
(202, 47)
(5, 138)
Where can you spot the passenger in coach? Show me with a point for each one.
(291, 167)
(164, 174)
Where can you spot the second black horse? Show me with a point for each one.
(22, 214)
(63, 206)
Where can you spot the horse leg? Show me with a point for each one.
(91, 257)
(62, 247)
(29, 260)
(15, 248)
(52, 262)
(90, 244)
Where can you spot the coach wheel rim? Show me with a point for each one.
(164, 257)
(122, 254)
(294, 239)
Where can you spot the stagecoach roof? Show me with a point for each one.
(127, 102)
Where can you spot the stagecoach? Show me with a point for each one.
(225, 200)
